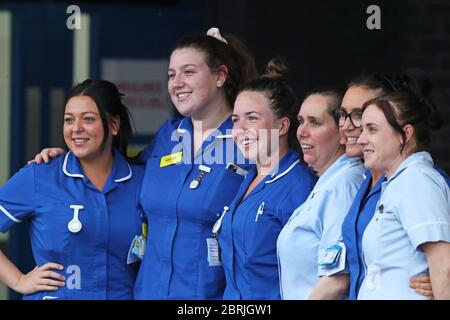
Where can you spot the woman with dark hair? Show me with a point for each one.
(264, 128)
(360, 90)
(83, 207)
(409, 233)
(193, 170)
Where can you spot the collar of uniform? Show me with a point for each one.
(335, 170)
(367, 182)
(367, 175)
(185, 126)
(121, 170)
(287, 163)
(416, 157)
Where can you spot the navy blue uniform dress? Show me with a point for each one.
(183, 195)
(95, 257)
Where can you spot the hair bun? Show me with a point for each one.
(421, 87)
(276, 69)
(418, 83)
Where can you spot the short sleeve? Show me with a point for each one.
(17, 198)
(331, 251)
(424, 209)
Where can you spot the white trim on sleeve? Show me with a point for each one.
(9, 215)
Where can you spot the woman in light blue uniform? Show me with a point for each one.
(264, 127)
(311, 254)
(193, 170)
(409, 234)
(360, 90)
(82, 206)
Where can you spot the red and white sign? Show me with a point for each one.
(145, 84)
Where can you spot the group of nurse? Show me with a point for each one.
(228, 207)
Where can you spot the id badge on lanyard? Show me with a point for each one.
(139, 243)
(213, 244)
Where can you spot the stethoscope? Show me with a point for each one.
(75, 225)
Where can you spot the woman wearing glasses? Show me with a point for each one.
(360, 90)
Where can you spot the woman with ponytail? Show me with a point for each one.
(264, 126)
(82, 207)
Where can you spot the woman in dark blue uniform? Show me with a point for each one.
(82, 206)
(264, 128)
(193, 170)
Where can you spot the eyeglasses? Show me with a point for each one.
(354, 116)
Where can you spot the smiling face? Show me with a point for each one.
(256, 129)
(381, 144)
(318, 133)
(191, 84)
(83, 129)
(353, 100)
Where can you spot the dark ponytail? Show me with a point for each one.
(420, 86)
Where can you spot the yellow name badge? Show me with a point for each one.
(171, 159)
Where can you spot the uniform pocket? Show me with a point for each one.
(222, 190)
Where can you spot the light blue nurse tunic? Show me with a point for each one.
(308, 239)
(355, 223)
(95, 257)
(414, 208)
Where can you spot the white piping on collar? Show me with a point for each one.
(220, 136)
(284, 172)
(9, 215)
(77, 175)
(180, 130)
(73, 175)
(130, 174)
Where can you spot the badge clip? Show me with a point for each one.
(196, 182)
